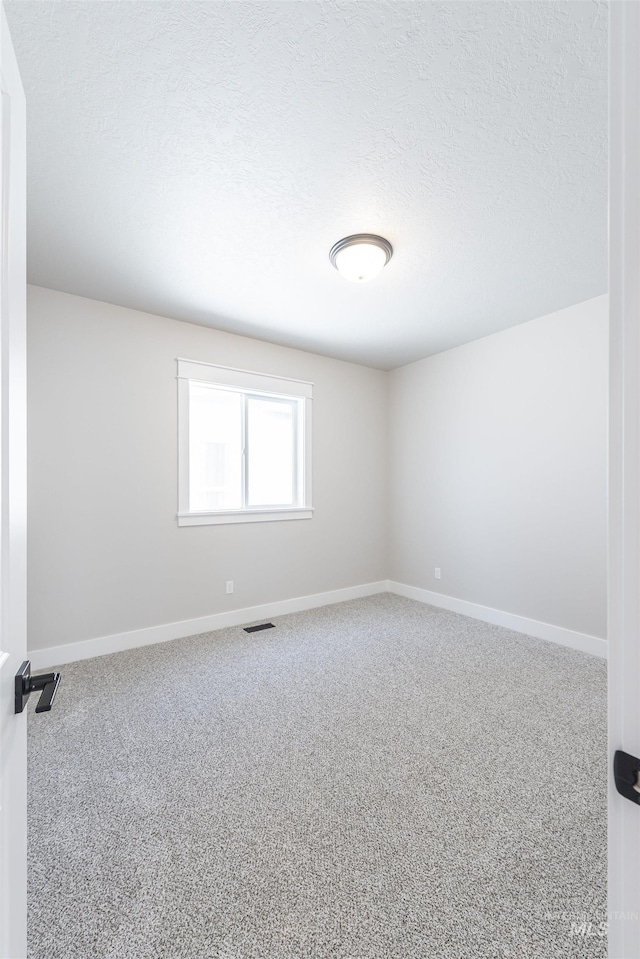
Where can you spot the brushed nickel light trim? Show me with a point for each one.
(356, 239)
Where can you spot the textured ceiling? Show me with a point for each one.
(198, 160)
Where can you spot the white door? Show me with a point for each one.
(13, 503)
(624, 473)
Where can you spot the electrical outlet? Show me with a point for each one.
(229, 586)
(437, 572)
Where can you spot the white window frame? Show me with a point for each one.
(258, 384)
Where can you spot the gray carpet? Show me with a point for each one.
(373, 779)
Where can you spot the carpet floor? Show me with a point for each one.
(377, 779)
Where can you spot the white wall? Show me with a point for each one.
(105, 553)
(498, 470)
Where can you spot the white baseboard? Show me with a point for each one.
(88, 648)
(532, 627)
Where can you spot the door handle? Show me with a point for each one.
(626, 771)
(26, 684)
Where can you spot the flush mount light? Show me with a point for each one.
(360, 257)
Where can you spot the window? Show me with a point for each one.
(244, 446)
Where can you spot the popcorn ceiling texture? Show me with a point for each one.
(378, 779)
(198, 160)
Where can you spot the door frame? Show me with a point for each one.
(624, 466)
(13, 501)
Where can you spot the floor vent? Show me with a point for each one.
(255, 629)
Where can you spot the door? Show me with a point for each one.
(624, 470)
(13, 502)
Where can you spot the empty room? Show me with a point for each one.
(317, 463)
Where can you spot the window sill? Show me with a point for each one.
(244, 516)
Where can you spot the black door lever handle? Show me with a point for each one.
(26, 684)
(49, 691)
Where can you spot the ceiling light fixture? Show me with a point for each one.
(360, 257)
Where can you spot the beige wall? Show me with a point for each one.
(105, 553)
(498, 455)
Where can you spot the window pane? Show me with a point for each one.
(215, 449)
(271, 451)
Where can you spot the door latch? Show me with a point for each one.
(626, 772)
(27, 684)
